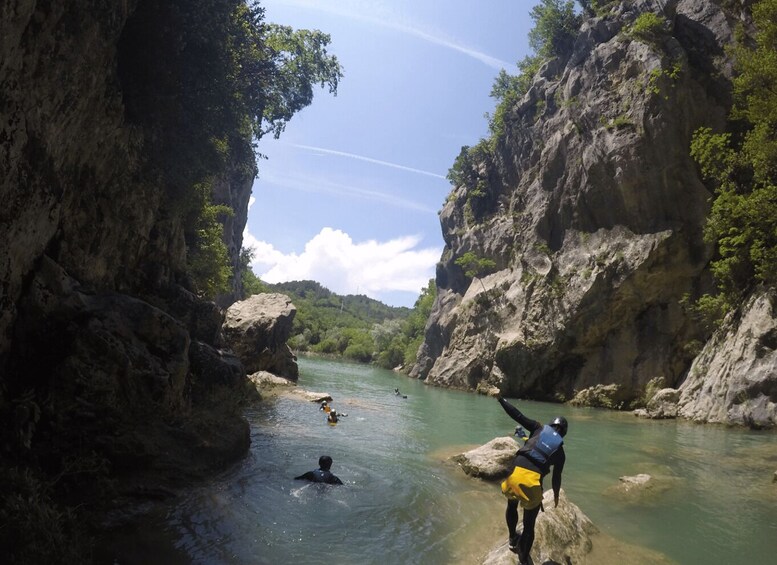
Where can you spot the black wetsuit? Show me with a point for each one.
(320, 476)
(522, 459)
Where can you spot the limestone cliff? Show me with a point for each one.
(592, 211)
(108, 361)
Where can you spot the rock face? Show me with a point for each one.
(257, 330)
(563, 535)
(490, 461)
(105, 353)
(734, 378)
(592, 210)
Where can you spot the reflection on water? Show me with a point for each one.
(404, 503)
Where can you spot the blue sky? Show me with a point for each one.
(349, 195)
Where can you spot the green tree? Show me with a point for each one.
(743, 170)
(555, 28)
(299, 60)
(208, 257)
(205, 80)
(475, 267)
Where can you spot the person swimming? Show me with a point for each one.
(322, 474)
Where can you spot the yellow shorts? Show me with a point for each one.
(524, 486)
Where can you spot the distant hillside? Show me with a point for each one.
(355, 326)
(351, 310)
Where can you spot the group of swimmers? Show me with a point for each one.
(332, 415)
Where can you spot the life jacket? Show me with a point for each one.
(539, 448)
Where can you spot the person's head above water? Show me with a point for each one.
(325, 462)
(560, 424)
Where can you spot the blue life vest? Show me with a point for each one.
(541, 447)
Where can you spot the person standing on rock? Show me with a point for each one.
(544, 449)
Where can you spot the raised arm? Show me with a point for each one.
(517, 415)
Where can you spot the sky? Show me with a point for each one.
(350, 193)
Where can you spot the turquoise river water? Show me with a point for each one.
(403, 502)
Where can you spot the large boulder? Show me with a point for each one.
(599, 396)
(490, 461)
(562, 535)
(734, 378)
(663, 405)
(257, 330)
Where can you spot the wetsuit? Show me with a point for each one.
(320, 476)
(525, 460)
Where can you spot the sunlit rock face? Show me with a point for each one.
(592, 210)
(257, 330)
(734, 378)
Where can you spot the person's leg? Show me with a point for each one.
(527, 536)
(511, 517)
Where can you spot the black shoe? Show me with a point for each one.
(513, 544)
(523, 558)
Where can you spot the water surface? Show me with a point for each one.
(404, 503)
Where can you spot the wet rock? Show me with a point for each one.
(257, 330)
(491, 461)
(663, 405)
(562, 536)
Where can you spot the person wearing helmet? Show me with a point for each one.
(544, 449)
(325, 407)
(322, 474)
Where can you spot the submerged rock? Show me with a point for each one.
(490, 461)
(640, 488)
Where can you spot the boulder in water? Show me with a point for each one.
(491, 461)
(562, 535)
(257, 330)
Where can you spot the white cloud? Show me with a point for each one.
(343, 266)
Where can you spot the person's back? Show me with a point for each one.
(322, 474)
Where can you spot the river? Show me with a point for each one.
(404, 503)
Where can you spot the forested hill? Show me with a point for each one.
(355, 326)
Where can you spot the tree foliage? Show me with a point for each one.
(208, 258)
(205, 80)
(475, 266)
(743, 169)
(553, 35)
(555, 28)
(356, 327)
